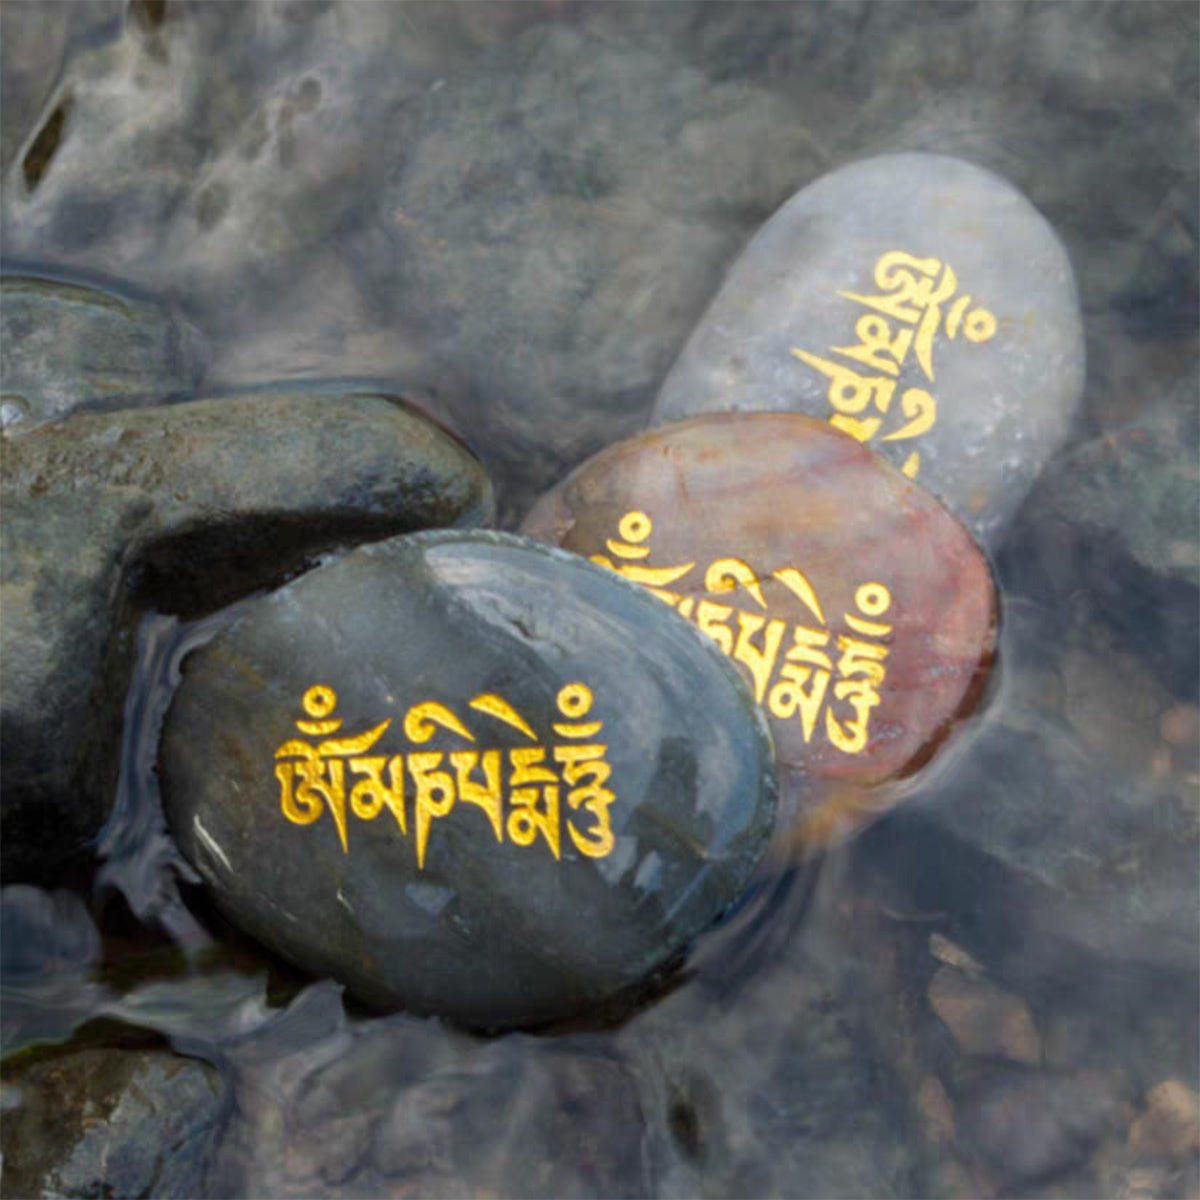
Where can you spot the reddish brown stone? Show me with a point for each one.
(861, 612)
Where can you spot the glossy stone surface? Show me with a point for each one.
(182, 509)
(859, 611)
(66, 344)
(576, 784)
(918, 302)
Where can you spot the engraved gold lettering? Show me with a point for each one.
(759, 662)
(877, 348)
(806, 681)
(849, 392)
(585, 770)
(435, 795)
(494, 706)
(711, 618)
(727, 574)
(861, 669)
(913, 293)
(574, 701)
(485, 795)
(921, 407)
(369, 795)
(797, 583)
(420, 720)
(525, 820)
(315, 778)
(860, 430)
(806, 665)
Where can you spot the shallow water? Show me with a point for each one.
(517, 212)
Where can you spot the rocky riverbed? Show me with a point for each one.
(287, 281)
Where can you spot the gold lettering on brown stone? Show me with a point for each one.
(913, 292)
(525, 805)
(791, 665)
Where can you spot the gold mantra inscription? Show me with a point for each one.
(517, 788)
(798, 689)
(914, 292)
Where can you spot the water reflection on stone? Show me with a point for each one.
(521, 211)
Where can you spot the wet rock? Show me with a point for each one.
(65, 345)
(984, 1020)
(181, 508)
(859, 611)
(1049, 837)
(60, 566)
(1080, 858)
(1170, 1125)
(453, 152)
(439, 1135)
(558, 235)
(772, 1080)
(338, 1108)
(543, 784)
(44, 932)
(922, 305)
(228, 108)
(1033, 1126)
(1116, 525)
(110, 1122)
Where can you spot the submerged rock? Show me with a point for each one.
(859, 611)
(1116, 525)
(919, 303)
(469, 775)
(110, 1122)
(555, 224)
(65, 345)
(183, 509)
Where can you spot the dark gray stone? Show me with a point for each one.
(110, 1122)
(66, 345)
(922, 305)
(1115, 528)
(464, 906)
(1077, 859)
(181, 509)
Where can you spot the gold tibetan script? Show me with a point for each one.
(918, 296)
(791, 665)
(528, 793)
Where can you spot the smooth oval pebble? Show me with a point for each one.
(470, 775)
(919, 303)
(859, 611)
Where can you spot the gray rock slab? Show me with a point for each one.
(922, 305)
(577, 783)
(66, 344)
(181, 508)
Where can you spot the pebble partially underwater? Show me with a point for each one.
(470, 775)
(517, 214)
(920, 304)
(859, 612)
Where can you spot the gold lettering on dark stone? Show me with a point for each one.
(337, 775)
